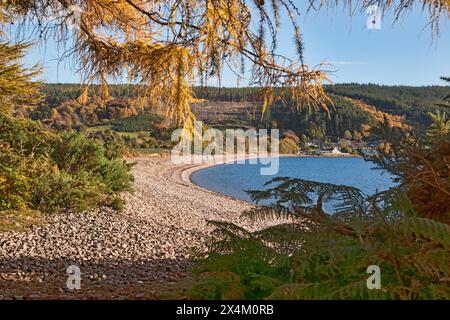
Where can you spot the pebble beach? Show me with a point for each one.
(135, 254)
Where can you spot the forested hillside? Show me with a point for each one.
(356, 107)
(412, 102)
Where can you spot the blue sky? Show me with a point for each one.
(403, 53)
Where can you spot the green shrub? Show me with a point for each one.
(288, 146)
(118, 204)
(48, 171)
(115, 176)
(24, 149)
(74, 152)
(57, 190)
(113, 143)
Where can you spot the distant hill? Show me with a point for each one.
(357, 106)
(411, 102)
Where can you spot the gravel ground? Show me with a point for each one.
(132, 255)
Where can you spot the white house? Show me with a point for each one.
(336, 151)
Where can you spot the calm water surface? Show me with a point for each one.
(233, 179)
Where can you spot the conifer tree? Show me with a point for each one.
(18, 87)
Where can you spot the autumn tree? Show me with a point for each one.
(348, 135)
(17, 88)
(357, 136)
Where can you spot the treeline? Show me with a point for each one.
(413, 102)
(57, 93)
(356, 108)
